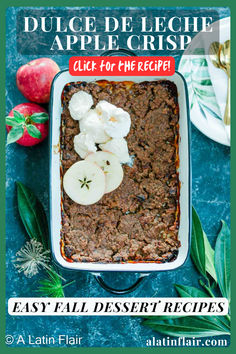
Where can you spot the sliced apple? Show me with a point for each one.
(111, 167)
(84, 182)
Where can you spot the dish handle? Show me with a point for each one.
(119, 52)
(114, 291)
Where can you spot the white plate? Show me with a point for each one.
(59, 82)
(207, 87)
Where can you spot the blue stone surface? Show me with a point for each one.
(210, 195)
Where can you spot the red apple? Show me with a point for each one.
(34, 79)
(27, 124)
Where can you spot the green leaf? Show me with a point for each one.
(204, 93)
(51, 286)
(15, 134)
(198, 245)
(17, 119)
(201, 244)
(189, 291)
(210, 255)
(222, 260)
(33, 131)
(12, 122)
(213, 113)
(187, 75)
(32, 214)
(199, 51)
(170, 317)
(201, 109)
(187, 327)
(203, 82)
(193, 101)
(39, 117)
(183, 62)
(18, 116)
(200, 71)
(199, 61)
(200, 85)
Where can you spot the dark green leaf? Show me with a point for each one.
(189, 291)
(187, 327)
(198, 246)
(32, 214)
(220, 321)
(19, 116)
(207, 288)
(225, 321)
(222, 260)
(39, 117)
(33, 131)
(15, 134)
(210, 254)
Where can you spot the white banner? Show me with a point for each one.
(117, 306)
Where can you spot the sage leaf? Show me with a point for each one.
(33, 131)
(187, 327)
(39, 117)
(32, 214)
(210, 255)
(198, 245)
(15, 134)
(189, 291)
(222, 260)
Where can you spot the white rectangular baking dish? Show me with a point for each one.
(59, 82)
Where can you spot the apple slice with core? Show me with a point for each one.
(84, 182)
(111, 167)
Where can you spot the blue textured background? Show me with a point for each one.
(211, 198)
